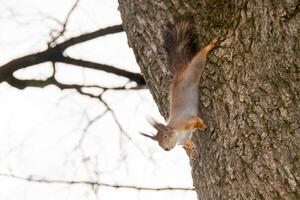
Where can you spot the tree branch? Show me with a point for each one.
(93, 183)
(107, 68)
(89, 36)
(64, 25)
(55, 54)
(7, 69)
(22, 84)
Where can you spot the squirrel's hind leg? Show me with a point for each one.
(210, 46)
(194, 122)
(200, 57)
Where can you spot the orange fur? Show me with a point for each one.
(194, 123)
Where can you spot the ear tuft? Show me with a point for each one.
(151, 120)
(149, 136)
(155, 124)
(158, 126)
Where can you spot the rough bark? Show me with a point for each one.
(249, 92)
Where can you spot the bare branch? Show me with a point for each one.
(89, 36)
(7, 69)
(21, 84)
(90, 123)
(70, 12)
(64, 25)
(55, 54)
(35, 179)
(122, 129)
(121, 72)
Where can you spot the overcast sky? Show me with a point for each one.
(40, 129)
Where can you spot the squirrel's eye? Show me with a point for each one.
(165, 136)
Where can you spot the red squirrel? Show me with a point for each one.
(186, 65)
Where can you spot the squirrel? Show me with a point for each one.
(186, 65)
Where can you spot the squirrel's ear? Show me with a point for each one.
(151, 120)
(158, 126)
(149, 136)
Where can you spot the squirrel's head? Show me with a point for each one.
(166, 136)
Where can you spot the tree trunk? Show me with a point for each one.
(249, 91)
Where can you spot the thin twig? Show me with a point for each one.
(32, 178)
(64, 25)
(121, 128)
(89, 124)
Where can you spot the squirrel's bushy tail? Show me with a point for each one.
(180, 42)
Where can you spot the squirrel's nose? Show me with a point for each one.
(167, 149)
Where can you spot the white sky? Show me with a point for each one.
(40, 128)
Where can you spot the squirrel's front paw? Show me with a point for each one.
(190, 153)
(189, 147)
(214, 41)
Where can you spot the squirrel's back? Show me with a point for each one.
(180, 42)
